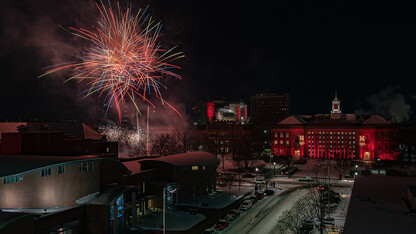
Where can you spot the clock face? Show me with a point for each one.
(335, 106)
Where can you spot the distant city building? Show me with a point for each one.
(210, 111)
(268, 109)
(366, 137)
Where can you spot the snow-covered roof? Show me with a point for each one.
(196, 158)
(377, 206)
(18, 164)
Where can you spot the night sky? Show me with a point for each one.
(364, 49)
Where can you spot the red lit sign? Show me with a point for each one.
(210, 110)
(238, 112)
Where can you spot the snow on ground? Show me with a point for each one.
(262, 217)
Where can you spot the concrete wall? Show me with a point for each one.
(55, 190)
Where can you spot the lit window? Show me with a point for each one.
(203, 168)
(287, 143)
(194, 168)
(281, 134)
(287, 135)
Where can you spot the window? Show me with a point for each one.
(46, 172)
(287, 143)
(194, 168)
(61, 169)
(203, 168)
(86, 166)
(13, 179)
(287, 135)
(281, 134)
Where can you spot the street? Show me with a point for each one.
(262, 217)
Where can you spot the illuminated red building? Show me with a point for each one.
(366, 137)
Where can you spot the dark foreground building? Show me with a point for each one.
(46, 193)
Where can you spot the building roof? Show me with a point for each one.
(293, 120)
(325, 119)
(10, 127)
(109, 195)
(9, 218)
(377, 206)
(18, 164)
(76, 129)
(196, 158)
(376, 119)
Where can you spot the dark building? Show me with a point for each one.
(72, 193)
(53, 138)
(268, 109)
(366, 137)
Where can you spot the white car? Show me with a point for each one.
(258, 181)
(305, 178)
(246, 205)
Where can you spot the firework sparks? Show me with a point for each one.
(124, 60)
(128, 136)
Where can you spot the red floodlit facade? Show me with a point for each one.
(365, 137)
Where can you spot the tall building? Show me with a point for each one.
(268, 109)
(334, 135)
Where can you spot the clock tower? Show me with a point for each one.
(336, 108)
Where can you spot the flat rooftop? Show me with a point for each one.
(377, 206)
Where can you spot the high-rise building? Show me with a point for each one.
(268, 109)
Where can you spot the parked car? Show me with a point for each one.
(232, 214)
(305, 178)
(259, 195)
(329, 221)
(221, 225)
(247, 204)
(269, 192)
(209, 231)
(258, 181)
(253, 199)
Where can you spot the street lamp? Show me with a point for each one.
(173, 187)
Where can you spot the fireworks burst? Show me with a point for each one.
(124, 60)
(128, 136)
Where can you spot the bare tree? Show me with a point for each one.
(341, 165)
(163, 145)
(287, 161)
(267, 173)
(293, 220)
(407, 140)
(185, 135)
(228, 180)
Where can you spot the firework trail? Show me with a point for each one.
(124, 60)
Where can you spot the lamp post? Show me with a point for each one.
(173, 189)
(164, 210)
(274, 168)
